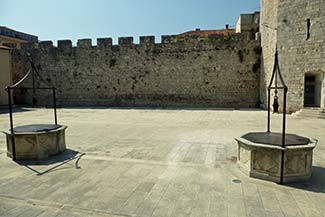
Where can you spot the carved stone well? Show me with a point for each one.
(260, 154)
(277, 157)
(36, 141)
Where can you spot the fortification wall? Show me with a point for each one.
(299, 53)
(213, 71)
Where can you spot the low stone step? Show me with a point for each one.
(310, 116)
(311, 113)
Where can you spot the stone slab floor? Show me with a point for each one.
(141, 162)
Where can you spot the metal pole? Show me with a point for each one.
(11, 125)
(33, 80)
(268, 110)
(284, 117)
(54, 105)
(283, 133)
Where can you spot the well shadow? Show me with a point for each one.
(315, 184)
(55, 162)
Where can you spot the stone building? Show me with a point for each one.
(5, 75)
(248, 22)
(297, 29)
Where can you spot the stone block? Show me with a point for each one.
(147, 40)
(46, 45)
(64, 44)
(84, 43)
(125, 41)
(104, 42)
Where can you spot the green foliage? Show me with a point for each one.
(204, 39)
(229, 36)
(180, 39)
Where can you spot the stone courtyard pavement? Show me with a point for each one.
(142, 162)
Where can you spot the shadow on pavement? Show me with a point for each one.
(54, 162)
(315, 184)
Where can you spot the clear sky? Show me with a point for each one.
(77, 19)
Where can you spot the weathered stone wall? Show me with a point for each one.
(298, 54)
(268, 26)
(215, 72)
(5, 77)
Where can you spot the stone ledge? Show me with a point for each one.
(312, 144)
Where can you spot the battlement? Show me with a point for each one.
(46, 45)
(84, 43)
(124, 41)
(103, 43)
(64, 44)
(178, 71)
(147, 40)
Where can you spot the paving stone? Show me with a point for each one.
(157, 163)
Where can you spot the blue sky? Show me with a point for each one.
(77, 19)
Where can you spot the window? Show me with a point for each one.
(308, 29)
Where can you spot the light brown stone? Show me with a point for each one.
(36, 145)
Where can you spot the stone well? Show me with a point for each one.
(36, 141)
(260, 155)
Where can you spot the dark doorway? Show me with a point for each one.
(312, 91)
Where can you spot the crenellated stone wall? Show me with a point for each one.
(208, 72)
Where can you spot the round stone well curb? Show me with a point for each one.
(38, 144)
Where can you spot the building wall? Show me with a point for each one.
(248, 23)
(298, 55)
(218, 72)
(268, 29)
(5, 76)
(13, 42)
